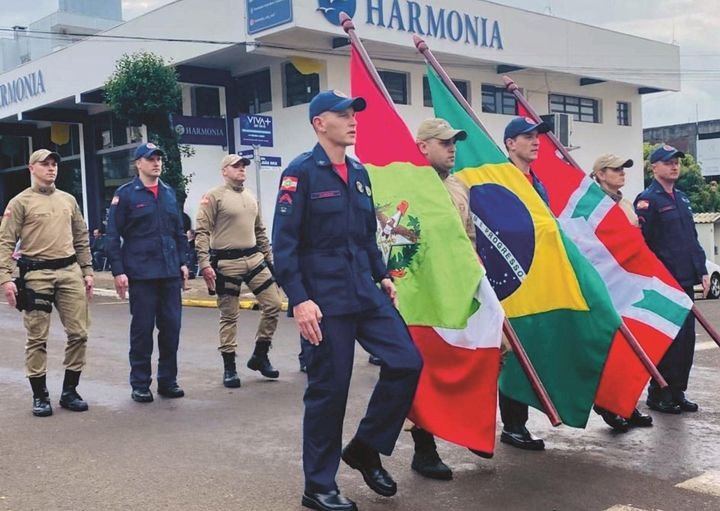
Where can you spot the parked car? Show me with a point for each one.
(714, 272)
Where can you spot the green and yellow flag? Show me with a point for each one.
(553, 297)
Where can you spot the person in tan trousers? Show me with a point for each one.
(233, 248)
(56, 267)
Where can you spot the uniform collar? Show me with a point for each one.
(234, 188)
(45, 190)
(137, 184)
(616, 197)
(322, 160)
(658, 188)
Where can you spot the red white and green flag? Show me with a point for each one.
(650, 301)
(453, 314)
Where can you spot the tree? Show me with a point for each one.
(143, 89)
(704, 197)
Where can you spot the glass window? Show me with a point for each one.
(111, 132)
(69, 179)
(116, 168)
(205, 101)
(255, 93)
(623, 113)
(497, 100)
(14, 151)
(581, 109)
(397, 86)
(68, 148)
(462, 85)
(299, 88)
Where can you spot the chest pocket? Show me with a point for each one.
(326, 203)
(141, 209)
(669, 214)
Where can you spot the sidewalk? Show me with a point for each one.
(196, 294)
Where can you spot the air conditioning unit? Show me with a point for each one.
(560, 125)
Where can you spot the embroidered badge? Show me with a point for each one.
(285, 209)
(115, 200)
(642, 204)
(325, 195)
(359, 186)
(368, 191)
(204, 201)
(141, 205)
(289, 184)
(7, 213)
(285, 198)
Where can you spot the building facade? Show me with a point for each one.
(240, 60)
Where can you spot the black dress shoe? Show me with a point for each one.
(522, 439)
(367, 461)
(142, 396)
(687, 406)
(171, 391)
(72, 401)
(41, 407)
(428, 464)
(640, 420)
(331, 501)
(231, 379)
(616, 422)
(663, 406)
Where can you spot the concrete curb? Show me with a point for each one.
(210, 303)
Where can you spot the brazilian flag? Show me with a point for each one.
(554, 298)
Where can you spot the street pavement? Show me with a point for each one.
(239, 449)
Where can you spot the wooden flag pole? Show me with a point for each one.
(509, 331)
(706, 325)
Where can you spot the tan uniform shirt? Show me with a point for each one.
(460, 195)
(229, 219)
(625, 205)
(50, 225)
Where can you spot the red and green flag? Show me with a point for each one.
(454, 317)
(650, 301)
(554, 298)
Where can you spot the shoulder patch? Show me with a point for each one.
(205, 200)
(642, 204)
(7, 213)
(289, 184)
(115, 200)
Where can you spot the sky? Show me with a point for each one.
(692, 24)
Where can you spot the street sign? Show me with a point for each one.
(256, 130)
(267, 162)
(267, 14)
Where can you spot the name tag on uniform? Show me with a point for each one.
(325, 195)
(140, 205)
(666, 208)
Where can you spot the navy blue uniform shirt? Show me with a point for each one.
(669, 230)
(153, 243)
(324, 236)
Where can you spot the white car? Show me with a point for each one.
(714, 272)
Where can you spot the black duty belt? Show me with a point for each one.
(233, 253)
(26, 264)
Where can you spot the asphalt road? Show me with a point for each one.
(221, 449)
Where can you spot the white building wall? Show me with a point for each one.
(294, 135)
(706, 237)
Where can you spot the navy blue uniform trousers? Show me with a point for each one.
(382, 333)
(154, 302)
(676, 363)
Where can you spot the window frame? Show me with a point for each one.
(405, 100)
(307, 95)
(505, 102)
(580, 108)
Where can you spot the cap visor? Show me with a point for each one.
(244, 161)
(357, 104)
(54, 155)
(542, 127)
(628, 164)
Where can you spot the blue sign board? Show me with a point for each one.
(200, 130)
(266, 14)
(256, 130)
(272, 162)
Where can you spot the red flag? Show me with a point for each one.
(456, 397)
(650, 301)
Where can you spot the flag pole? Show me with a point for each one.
(512, 87)
(349, 28)
(706, 325)
(508, 329)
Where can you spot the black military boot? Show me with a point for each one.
(41, 397)
(260, 361)
(426, 460)
(230, 377)
(69, 398)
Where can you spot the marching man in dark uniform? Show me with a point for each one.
(147, 250)
(522, 144)
(55, 268)
(667, 224)
(328, 263)
(233, 247)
